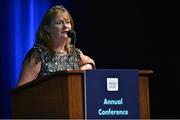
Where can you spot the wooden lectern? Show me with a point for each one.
(61, 95)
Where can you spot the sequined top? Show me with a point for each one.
(51, 62)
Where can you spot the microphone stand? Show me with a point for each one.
(74, 46)
(72, 35)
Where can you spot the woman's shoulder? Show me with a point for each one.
(39, 48)
(78, 51)
(35, 52)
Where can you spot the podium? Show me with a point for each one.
(61, 95)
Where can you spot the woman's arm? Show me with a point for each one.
(86, 62)
(30, 70)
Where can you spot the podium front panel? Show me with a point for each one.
(112, 94)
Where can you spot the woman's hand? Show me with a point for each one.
(86, 67)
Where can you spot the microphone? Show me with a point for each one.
(72, 34)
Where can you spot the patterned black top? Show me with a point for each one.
(51, 62)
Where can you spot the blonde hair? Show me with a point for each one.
(43, 38)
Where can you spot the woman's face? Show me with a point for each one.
(59, 26)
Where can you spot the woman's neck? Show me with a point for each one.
(59, 47)
(59, 51)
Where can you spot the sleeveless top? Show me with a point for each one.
(51, 62)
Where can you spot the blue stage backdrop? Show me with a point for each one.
(19, 22)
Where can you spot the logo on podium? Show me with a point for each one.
(112, 84)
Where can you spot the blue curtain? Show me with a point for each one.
(19, 21)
